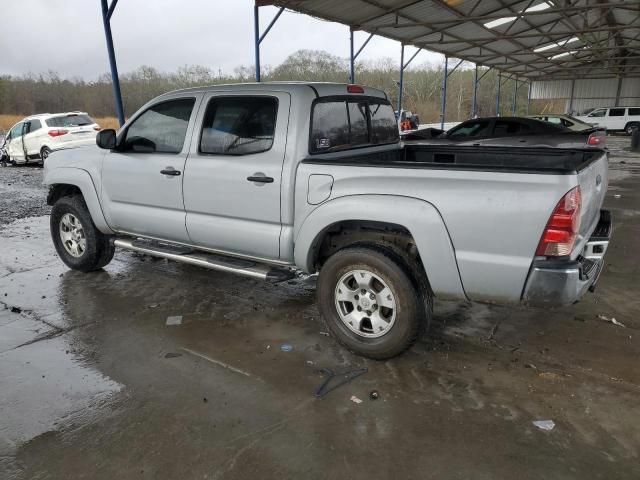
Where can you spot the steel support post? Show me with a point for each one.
(353, 56)
(401, 82)
(474, 99)
(259, 38)
(352, 60)
(529, 98)
(444, 92)
(107, 11)
(514, 105)
(573, 87)
(498, 95)
(256, 32)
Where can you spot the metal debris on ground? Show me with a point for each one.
(374, 395)
(172, 355)
(604, 318)
(326, 334)
(341, 379)
(286, 347)
(174, 320)
(355, 399)
(617, 195)
(16, 309)
(546, 425)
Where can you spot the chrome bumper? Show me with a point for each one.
(555, 282)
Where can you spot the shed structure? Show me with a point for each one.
(531, 41)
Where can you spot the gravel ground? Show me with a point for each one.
(22, 193)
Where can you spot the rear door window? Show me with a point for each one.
(507, 128)
(238, 125)
(344, 123)
(616, 112)
(33, 125)
(634, 111)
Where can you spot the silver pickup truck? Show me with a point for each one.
(268, 179)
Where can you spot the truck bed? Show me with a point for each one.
(507, 159)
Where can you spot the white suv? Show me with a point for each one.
(614, 118)
(35, 137)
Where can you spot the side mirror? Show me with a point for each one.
(106, 139)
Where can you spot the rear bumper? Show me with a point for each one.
(555, 282)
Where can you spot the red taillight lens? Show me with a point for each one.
(97, 128)
(355, 89)
(563, 226)
(58, 133)
(596, 138)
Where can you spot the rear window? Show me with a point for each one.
(634, 111)
(342, 123)
(71, 120)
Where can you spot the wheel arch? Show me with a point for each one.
(393, 217)
(72, 181)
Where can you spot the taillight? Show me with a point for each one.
(563, 226)
(58, 133)
(97, 128)
(355, 89)
(596, 138)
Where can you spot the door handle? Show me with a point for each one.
(170, 171)
(260, 178)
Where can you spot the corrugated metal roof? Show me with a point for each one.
(536, 39)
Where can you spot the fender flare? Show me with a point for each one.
(81, 179)
(419, 217)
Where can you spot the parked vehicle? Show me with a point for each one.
(267, 179)
(35, 137)
(563, 120)
(518, 131)
(614, 118)
(407, 120)
(4, 158)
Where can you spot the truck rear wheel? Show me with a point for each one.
(80, 245)
(370, 301)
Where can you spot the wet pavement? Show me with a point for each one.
(94, 384)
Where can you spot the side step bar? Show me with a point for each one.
(207, 260)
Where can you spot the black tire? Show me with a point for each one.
(44, 154)
(413, 304)
(630, 127)
(99, 249)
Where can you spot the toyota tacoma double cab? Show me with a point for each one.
(270, 179)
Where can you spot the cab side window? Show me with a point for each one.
(239, 125)
(475, 128)
(33, 126)
(616, 112)
(160, 129)
(598, 113)
(505, 128)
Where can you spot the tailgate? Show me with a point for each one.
(593, 180)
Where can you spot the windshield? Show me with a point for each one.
(70, 120)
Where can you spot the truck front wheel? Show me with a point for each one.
(80, 245)
(370, 301)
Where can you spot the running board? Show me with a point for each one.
(212, 261)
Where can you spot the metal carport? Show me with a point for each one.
(526, 40)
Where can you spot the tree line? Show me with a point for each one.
(49, 92)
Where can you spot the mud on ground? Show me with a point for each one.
(94, 384)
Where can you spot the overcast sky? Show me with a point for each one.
(68, 37)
